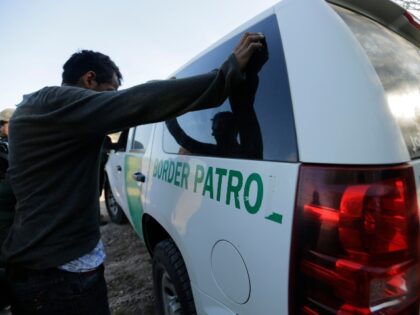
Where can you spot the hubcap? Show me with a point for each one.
(170, 299)
(112, 203)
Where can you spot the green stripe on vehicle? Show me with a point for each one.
(132, 165)
(275, 217)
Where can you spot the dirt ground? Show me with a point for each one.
(128, 271)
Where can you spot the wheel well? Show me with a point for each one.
(153, 233)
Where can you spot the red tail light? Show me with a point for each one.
(412, 19)
(355, 242)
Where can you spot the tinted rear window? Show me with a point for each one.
(397, 63)
(251, 124)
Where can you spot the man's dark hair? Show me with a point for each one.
(88, 60)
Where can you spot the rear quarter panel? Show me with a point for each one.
(341, 112)
(197, 221)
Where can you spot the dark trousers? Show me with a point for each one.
(57, 292)
(4, 290)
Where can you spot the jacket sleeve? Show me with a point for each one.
(88, 112)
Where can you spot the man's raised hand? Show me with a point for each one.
(248, 44)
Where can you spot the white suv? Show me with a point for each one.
(299, 194)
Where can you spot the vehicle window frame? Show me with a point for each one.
(134, 133)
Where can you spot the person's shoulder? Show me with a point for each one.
(52, 96)
(66, 91)
(34, 97)
(42, 91)
(59, 91)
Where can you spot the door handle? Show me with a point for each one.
(139, 177)
(119, 168)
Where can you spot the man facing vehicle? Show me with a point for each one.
(54, 253)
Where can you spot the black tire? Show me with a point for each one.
(116, 214)
(171, 281)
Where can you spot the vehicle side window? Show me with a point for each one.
(122, 141)
(116, 141)
(256, 122)
(141, 138)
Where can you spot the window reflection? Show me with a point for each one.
(397, 63)
(256, 122)
(236, 133)
(141, 138)
(403, 106)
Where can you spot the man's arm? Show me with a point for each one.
(185, 141)
(242, 104)
(90, 112)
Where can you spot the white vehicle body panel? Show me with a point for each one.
(189, 217)
(115, 170)
(334, 87)
(239, 261)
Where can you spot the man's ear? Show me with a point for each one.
(88, 80)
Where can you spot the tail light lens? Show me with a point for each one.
(412, 19)
(355, 242)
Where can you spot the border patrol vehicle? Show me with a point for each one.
(299, 195)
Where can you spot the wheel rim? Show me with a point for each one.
(112, 203)
(171, 305)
